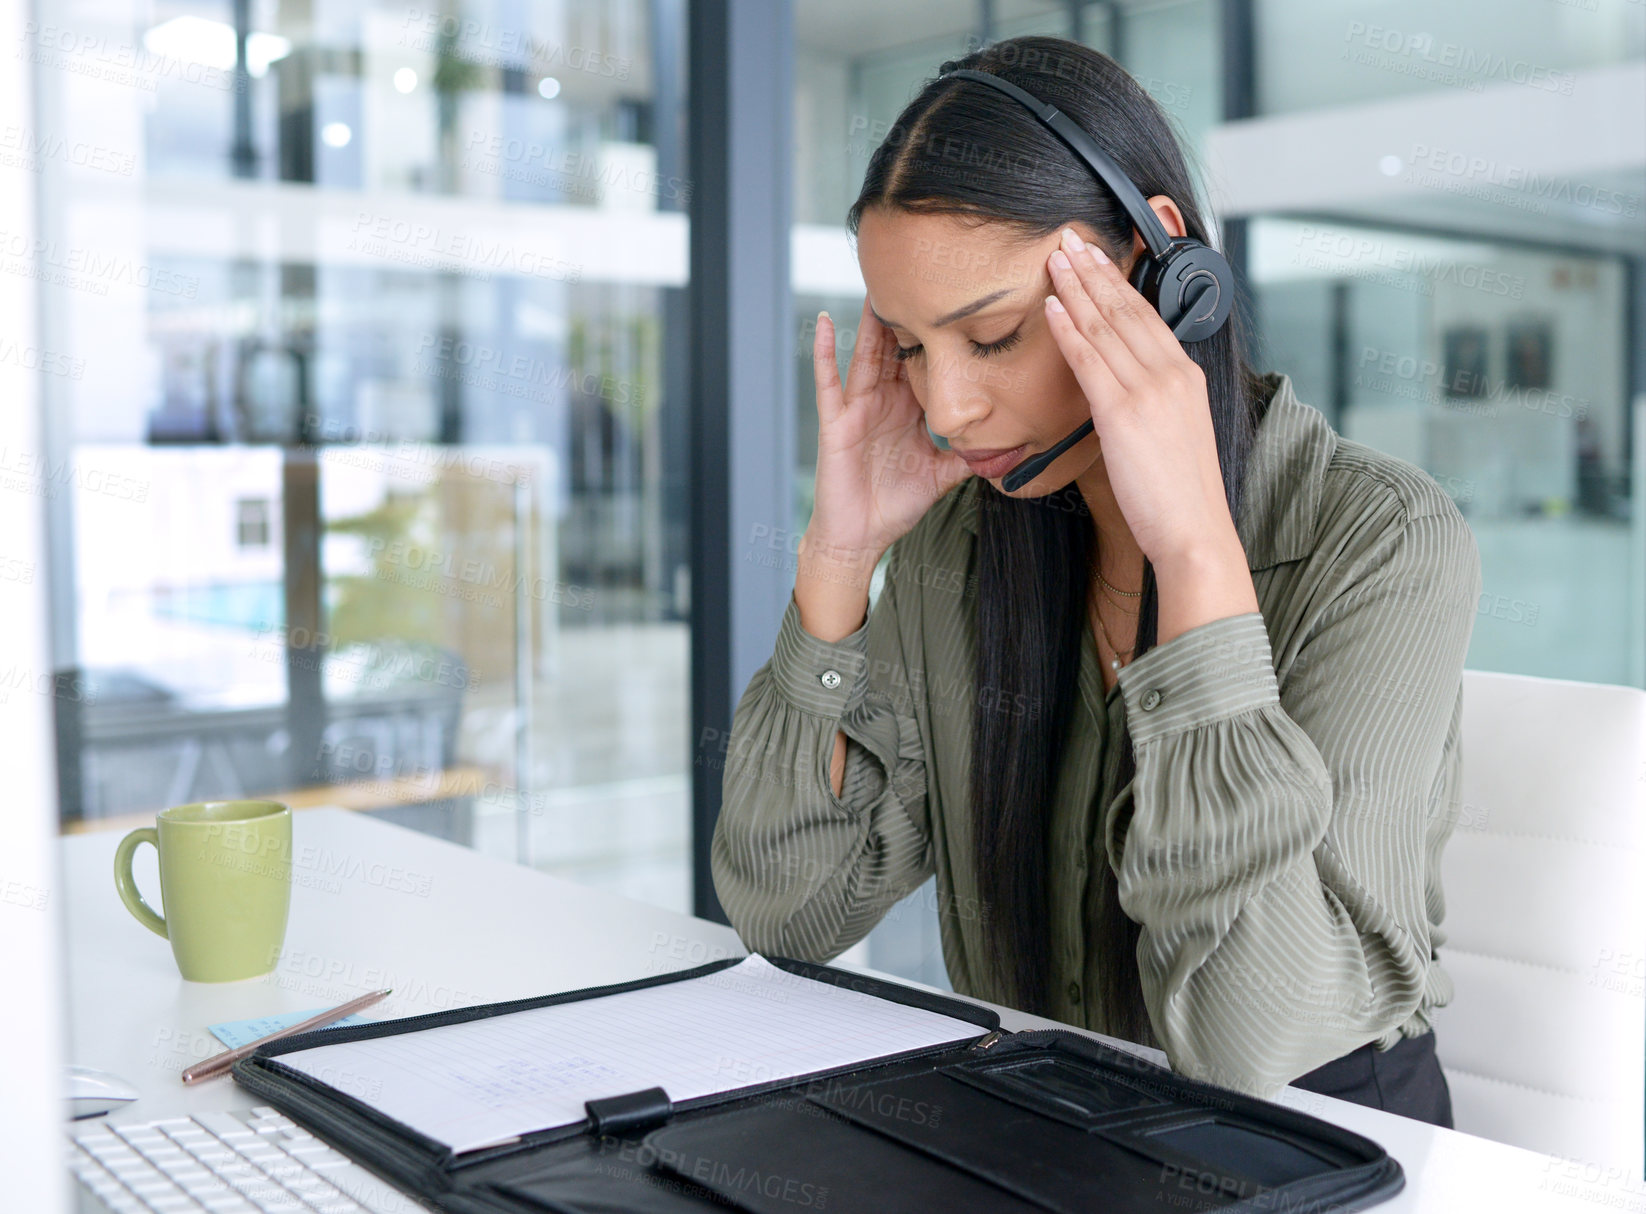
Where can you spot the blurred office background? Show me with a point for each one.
(392, 355)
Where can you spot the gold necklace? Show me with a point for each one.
(1131, 594)
(1119, 606)
(1114, 662)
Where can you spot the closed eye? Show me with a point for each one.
(904, 353)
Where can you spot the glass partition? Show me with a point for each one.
(1501, 371)
(363, 407)
(1314, 54)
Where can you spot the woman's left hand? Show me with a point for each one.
(1149, 407)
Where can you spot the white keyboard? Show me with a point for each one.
(223, 1163)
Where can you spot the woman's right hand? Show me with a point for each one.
(877, 469)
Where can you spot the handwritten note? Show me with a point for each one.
(487, 1081)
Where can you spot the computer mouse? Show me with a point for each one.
(91, 1092)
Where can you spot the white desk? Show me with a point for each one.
(375, 905)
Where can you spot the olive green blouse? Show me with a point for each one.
(1297, 772)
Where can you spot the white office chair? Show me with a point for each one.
(1544, 1042)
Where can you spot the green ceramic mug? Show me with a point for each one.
(225, 885)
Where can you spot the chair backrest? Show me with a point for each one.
(1544, 1042)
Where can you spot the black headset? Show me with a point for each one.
(1187, 282)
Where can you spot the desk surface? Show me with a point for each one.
(375, 905)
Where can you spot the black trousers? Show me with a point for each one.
(1406, 1079)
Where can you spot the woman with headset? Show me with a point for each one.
(1164, 678)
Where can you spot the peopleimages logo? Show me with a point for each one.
(1449, 62)
(30, 472)
(471, 253)
(46, 362)
(299, 648)
(82, 267)
(25, 149)
(126, 63)
(482, 42)
(1444, 163)
(435, 563)
(571, 168)
(1456, 388)
(1323, 247)
(438, 355)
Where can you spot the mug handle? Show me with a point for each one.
(127, 887)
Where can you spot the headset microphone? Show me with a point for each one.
(1189, 283)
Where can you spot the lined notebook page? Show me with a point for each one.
(487, 1081)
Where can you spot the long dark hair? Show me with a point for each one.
(962, 148)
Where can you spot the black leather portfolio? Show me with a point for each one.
(997, 1122)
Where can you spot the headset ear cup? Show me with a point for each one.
(1180, 272)
(1140, 278)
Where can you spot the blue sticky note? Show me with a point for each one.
(236, 1033)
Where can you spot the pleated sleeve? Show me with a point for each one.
(800, 871)
(1273, 843)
